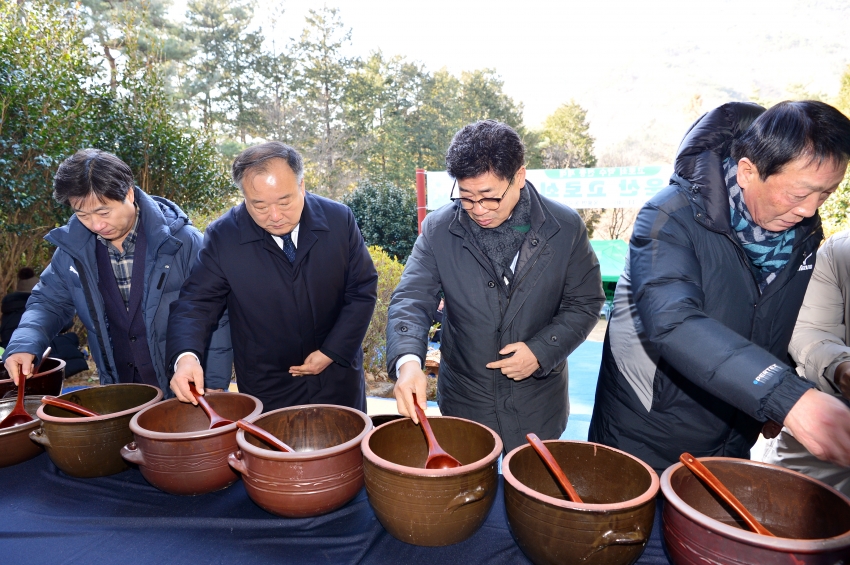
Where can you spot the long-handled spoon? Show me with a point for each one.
(707, 477)
(19, 415)
(262, 434)
(549, 461)
(68, 405)
(437, 457)
(216, 421)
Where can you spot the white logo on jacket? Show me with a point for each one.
(806, 266)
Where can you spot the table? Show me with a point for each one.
(53, 519)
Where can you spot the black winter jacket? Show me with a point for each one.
(695, 358)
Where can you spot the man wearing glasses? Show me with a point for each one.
(522, 290)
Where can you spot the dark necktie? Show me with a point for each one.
(289, 247)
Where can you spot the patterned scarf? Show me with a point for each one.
(768, 251)
(501, 244)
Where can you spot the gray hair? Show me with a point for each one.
(255, 159)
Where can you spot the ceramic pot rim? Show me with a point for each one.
(745, 536)
(647, 496)
(420, 472)
(111, 416)
(325, 453)
(20, 427)
(182, 436)
(50, 372)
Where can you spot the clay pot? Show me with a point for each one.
(90, 446)
(48, 382)
(431, 507)
(15, 443)
(178, 453)
(811, 519)
(611, 527)
(324, 472)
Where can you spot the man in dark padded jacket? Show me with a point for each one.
(696, 354)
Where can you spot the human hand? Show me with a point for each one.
(20, 364)
(188, 370)
(314, 364)
(821, 423)
(411, 380)
(518, 366)
(842, 378)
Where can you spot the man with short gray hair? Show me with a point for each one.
(295, 275)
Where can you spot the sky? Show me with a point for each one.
(635, 65)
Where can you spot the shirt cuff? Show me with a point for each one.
(404, 359)
(182, 355)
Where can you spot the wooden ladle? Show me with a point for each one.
(262, 434)
(68, 405)
(437, 457)
(19, 415)
(216, 421)
(712, 482)
(549, 461)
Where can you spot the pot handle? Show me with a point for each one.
(235, 460)
(609, 538)
(40, 437)
(466, 497)
(133, 454)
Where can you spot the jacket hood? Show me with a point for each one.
(161, 218)
(699, 163)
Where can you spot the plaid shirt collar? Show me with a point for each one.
(122, 261)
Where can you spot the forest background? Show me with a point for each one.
(177, 98)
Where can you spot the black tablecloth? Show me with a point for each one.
(48, 517)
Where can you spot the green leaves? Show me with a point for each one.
(386, 215)
(56, 99)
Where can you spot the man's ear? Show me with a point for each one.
(747, 173)
(303, 188)
(131, 195)
(519, 177)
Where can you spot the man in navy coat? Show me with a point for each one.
(295, 275)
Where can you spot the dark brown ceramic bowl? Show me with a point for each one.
(91, 446)
(612, 525)
(811, 519)
(178, 453)
(324, 472)
(15, 443)
(431, 507)
(48, 382)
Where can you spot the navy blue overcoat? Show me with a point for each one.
(280, 312)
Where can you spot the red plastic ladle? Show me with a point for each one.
(68, 405)
(437, 457)
(216, 421)
(701, 471)
(19, 415)
(549, 461)
(262, 434)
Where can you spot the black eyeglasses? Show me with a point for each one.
(486, 203)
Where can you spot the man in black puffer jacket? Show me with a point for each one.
(696, 354)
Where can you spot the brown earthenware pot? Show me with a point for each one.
(48, 382)
(431, 507)
(91, 446)
(811, 519)
(610, 527)
(178, 453)
(324, 472)
(15, 443)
